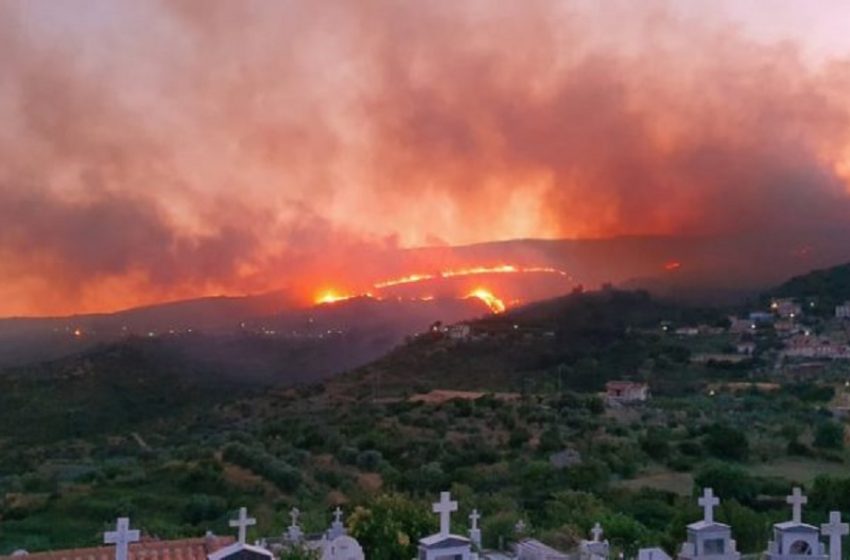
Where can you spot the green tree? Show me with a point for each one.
(725, 442)
(829, 435)
(299, 553)
(389, 527)
(728, 481)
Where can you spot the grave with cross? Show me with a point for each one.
(241, 550)
(445, 545)
(794, 539)
(708, 539)
(474, 530)
(835, 530)
(337, 545)
(121, 537)
(242, 523)
(337, 526)
(596, 548)
(294, 534)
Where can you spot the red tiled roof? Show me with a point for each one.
(147, 549)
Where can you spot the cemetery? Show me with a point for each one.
(705, 539)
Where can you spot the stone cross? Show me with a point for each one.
(473, 519)
(797, 501)
(294, 532)
(121, 537)
(520, 527)
(708, 503)
(337, 528)
(445, 507)
(835, 529)
(474, 531)
(597, 532)
(243, 522)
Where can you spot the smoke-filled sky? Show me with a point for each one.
(164, 149)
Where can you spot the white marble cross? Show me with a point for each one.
(243, 522)
(121, 537)
(445, 507)
(797, 501)
(294, 532)
(337, 515)
(473, 519)
(835, 529)
(597, 532)
(708, 503)
(474, 531)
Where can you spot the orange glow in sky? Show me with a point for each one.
(157, 151)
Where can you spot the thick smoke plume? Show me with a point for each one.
(159, 150)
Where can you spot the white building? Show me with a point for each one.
(623, 392)
(843, 311)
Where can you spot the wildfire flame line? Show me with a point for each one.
(495, 304)
(501, 269)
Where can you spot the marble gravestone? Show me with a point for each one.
(794, 539)
(708, 539)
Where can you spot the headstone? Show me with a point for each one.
(343, 548)
(835, 530)
(597, 532)
(444, 544)
(337, 527)
(795, 540)
(520, 527)
(474, 531)
(596, 548)
(294, 532)
(243, 522)
(121, 537)
(708, 539)
(652, 554)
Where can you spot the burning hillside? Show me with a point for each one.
(499, 287)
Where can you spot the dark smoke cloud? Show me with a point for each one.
(161, 150)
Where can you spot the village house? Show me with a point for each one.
(741, 326)
(786, 308)
(843, 311)
(821, 347)
(623, 392)
(746, 348)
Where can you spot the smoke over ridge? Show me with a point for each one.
(161, 150)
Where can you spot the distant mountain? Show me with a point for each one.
(272, 316)
(702, 268)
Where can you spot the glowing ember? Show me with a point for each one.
(495, 304)
(673, 265)
(78, 332)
